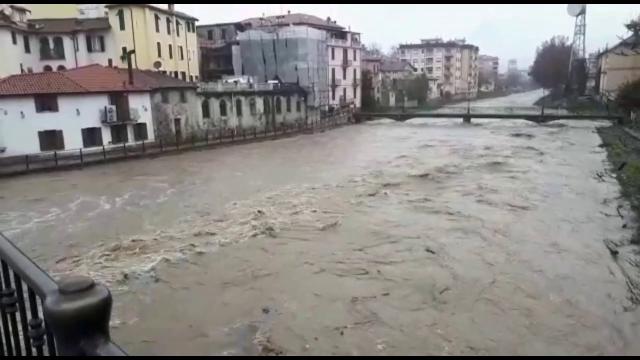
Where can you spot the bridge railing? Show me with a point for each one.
(47, 318)
(526, 110)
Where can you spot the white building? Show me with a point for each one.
(85, 107)
(453, 63)
(51, 44)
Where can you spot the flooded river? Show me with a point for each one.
(424, 237)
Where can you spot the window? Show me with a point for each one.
(47, 68)
(27, 45)
(333, 75)
(51, 140)
(140, 132)
(123, 57)
(183, 75)
(121, 19)
(354, 92)
(333, 53)
(170, 52)
(14, 38)
(177, 28)
(58, 47)
(333, 93)
(181, 52)
(61, 68)
(91, 137)
(345, 55)
(95, 43)
(190, 78)
(238, 107)
(223, 34)
(354, 55)
(298, 105)
(159, 47)
(278, 105)
(206, 112)
(266, 105)
(252, 106)
(223, 108)
(355, 76)
(209, 34)
(196, 77)
(344, 73)
(175, 74)
(183, 96)
(46, 102)
(165, 97)
(288, 102)
(157, 19)
(119, 134)
(168, 26)
(344, 94)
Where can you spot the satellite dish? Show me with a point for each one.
(157, 65)
(575, 9)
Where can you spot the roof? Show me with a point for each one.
(294, 19)
(155, 8)
(448, 44)
(70, 25)
(631, 42)
(87, 79)
(395, 66)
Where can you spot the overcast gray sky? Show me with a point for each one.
(507, 31)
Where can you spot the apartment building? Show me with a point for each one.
(36, 45)
(342, 52)
(163, 39)
(453, 64)
(216, 43)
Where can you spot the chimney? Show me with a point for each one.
(329, 19)
(172, 7)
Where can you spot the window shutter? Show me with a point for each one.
(89, 48)
(101, 39)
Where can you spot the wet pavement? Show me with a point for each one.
(424, 237)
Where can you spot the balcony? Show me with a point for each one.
(346, 62)
(336, 82)
(51, 55)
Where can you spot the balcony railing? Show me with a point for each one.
(43, 317)
(51, 55)
(347, 62)
(336, 82)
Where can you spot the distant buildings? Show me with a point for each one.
(454, 65)
(163, 39)
(512, 65)
(618, 65)
(488, 72)
(372, 64)
(324, 57)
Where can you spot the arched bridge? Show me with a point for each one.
(529, 113)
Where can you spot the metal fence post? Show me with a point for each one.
(78, 314)
(26, 161)
(143, 149)
(81, 160)
(55, 157)
(124, 148)
(104, 153)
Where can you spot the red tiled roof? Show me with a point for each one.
(87, 79)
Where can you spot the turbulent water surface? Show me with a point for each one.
(424, 237)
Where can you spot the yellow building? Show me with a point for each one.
(163, 39)
(618, 65)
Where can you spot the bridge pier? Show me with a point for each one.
(466, 119)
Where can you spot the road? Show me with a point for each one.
(424, 237)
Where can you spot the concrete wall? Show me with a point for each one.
(20, 123)
(259, 118)
(164, 114)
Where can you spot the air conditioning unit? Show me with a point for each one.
(110, 116)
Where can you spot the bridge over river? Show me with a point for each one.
(467, 113)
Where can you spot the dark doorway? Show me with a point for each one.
(51, 140)
(119, 134)
(178, 129)
(91, 137)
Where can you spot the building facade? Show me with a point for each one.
(252, 105)
(337, 57)
(216, 43)
(489, 67)
(90, 107)
(616, 66)
(372, 64)
(453, 64)
(163, 39)
(35, 45)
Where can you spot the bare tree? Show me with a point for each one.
(373, 49)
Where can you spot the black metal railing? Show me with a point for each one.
(47, 318)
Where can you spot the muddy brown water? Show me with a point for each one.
(425, 237)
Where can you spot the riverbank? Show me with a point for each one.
(623, 154)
